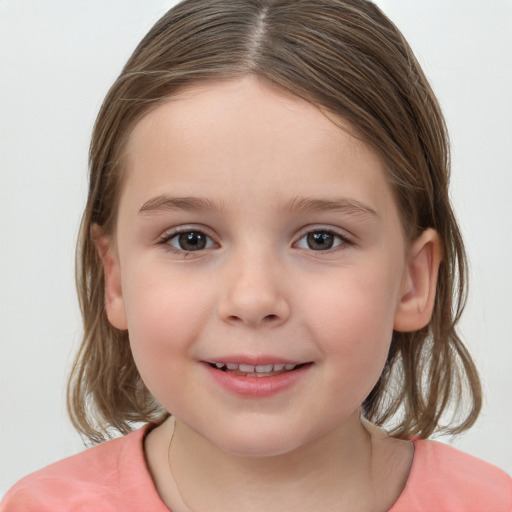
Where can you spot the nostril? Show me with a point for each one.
(266, 319)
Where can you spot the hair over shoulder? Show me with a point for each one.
(346, 57)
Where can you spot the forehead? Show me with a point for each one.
(210, 110)
(249, 136)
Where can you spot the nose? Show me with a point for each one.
(253, 293)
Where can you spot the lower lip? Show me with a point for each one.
(258, 387)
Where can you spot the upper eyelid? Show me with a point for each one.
(172, 232)
(342, 233)
(343, 241)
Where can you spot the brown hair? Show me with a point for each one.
(341, 55)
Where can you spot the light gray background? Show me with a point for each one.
(57, 60)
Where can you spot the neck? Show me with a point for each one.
(334, 471)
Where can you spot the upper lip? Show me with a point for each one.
(253, 360)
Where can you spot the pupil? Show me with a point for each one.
(192, 241)
(320, 241)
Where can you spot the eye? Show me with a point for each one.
(189, 241)
(321, 240)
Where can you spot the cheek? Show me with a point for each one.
(165, 318)
(352, 321)
(359, 303)
(160, 305)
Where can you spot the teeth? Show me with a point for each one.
(264, 369)
(248, 368)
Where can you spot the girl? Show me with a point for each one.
(270, 273)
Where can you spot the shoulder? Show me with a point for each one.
(107, 477)
(445, 478)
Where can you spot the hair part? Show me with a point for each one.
(346, 57)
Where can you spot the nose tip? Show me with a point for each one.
(254, 299)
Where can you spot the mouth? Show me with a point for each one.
(257, 371)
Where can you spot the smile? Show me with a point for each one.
(248, 370)
(257, 380)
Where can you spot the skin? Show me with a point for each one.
(268, 169)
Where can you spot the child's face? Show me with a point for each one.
(254, 231)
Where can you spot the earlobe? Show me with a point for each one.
(114, 302)
(419, 283)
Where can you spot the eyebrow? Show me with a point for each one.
(164, 202)
(342, 205)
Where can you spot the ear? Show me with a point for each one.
(114, 302)
(419, 283)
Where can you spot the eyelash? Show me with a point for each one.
(342, 239)
(166, 238)
(339, 240)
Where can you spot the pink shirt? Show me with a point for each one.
(113, 476)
